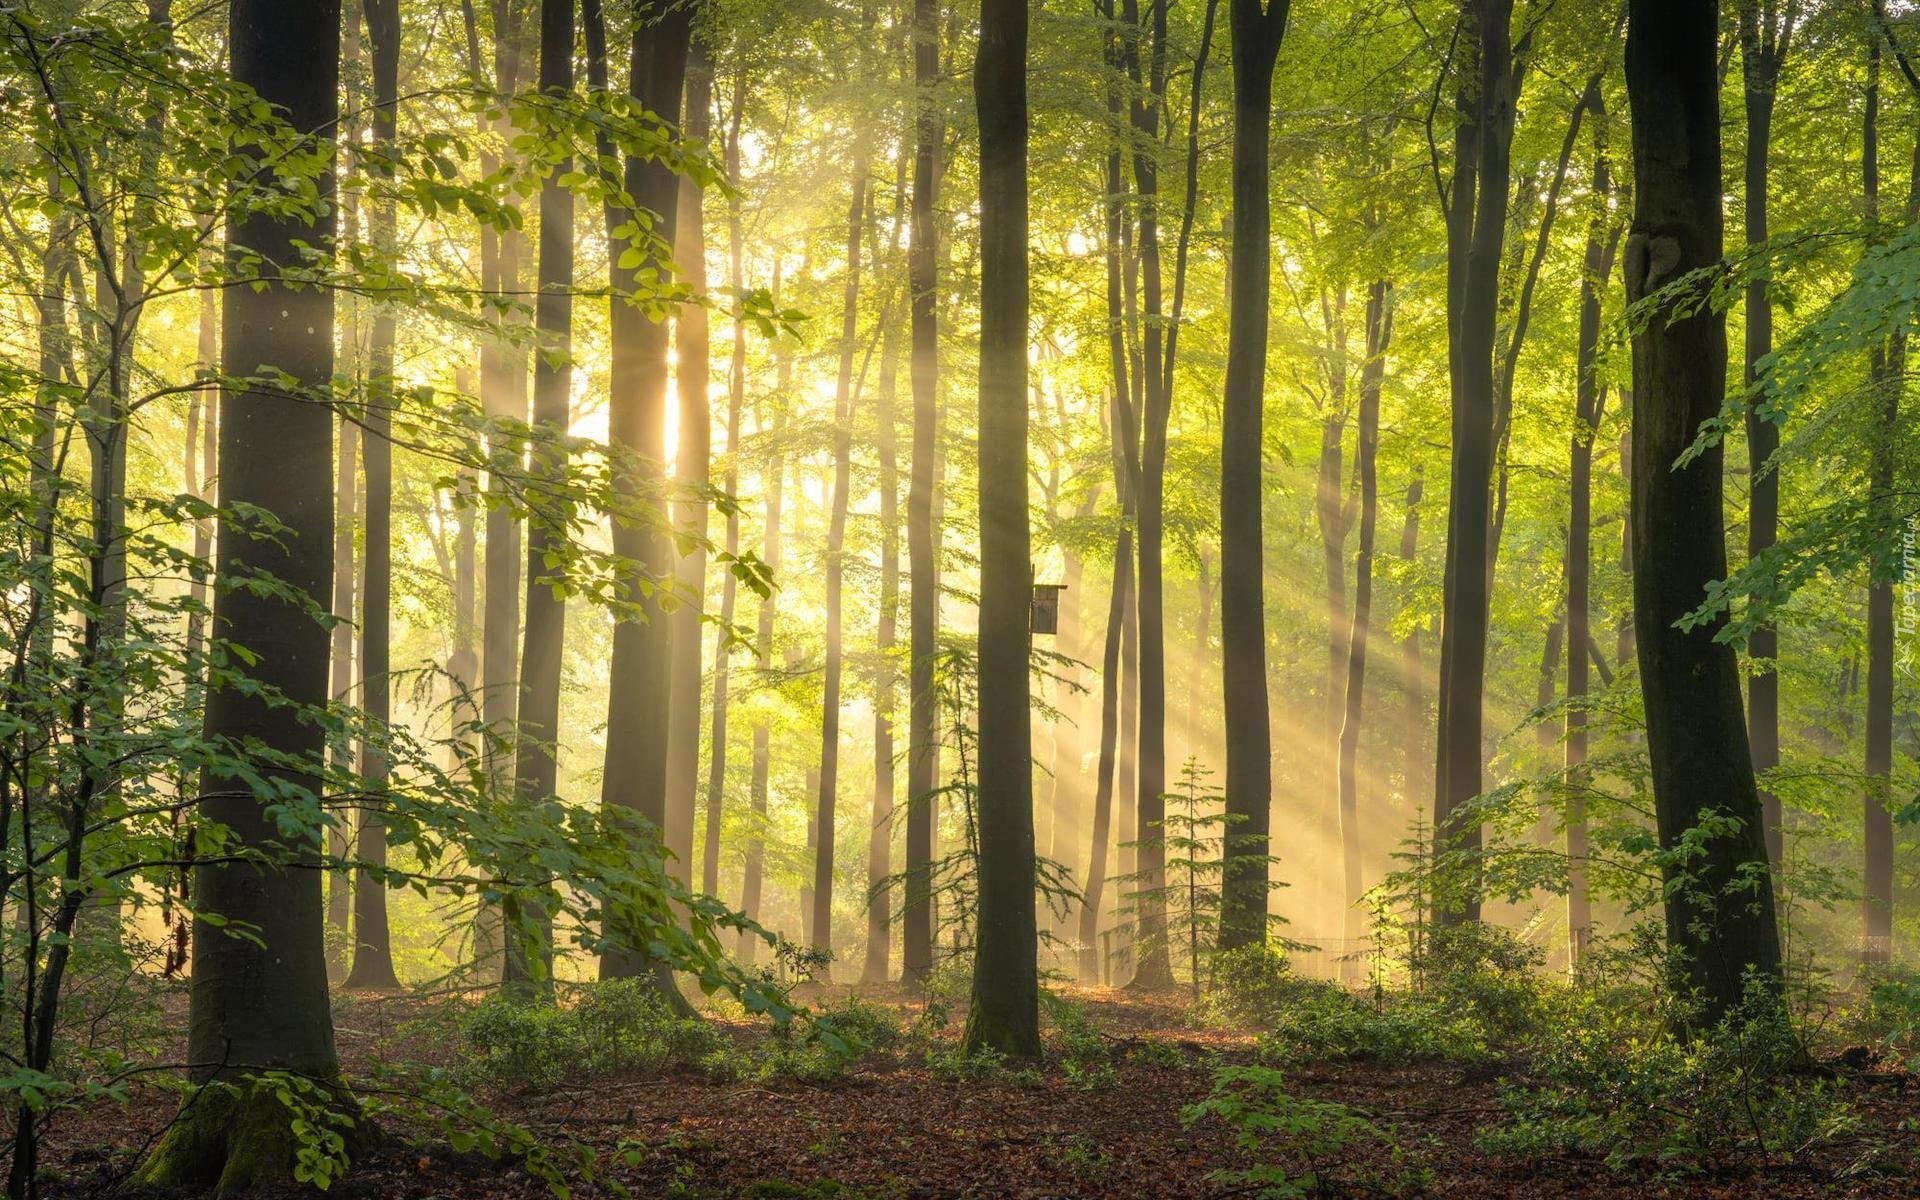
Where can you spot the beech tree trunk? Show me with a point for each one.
(528, 961)
(1722, 931)
(1603, 234)
(729, 589)
(260, 1002)
(1256, 30)
(1476, 228)
(827, 798)
(691, 475)
(372, 940)
(635, 777)
(1365, 453)
(923, 568)
(1005, 1011)
(1765, 30)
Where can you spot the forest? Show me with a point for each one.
(899, 599)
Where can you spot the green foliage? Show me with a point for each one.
(1247, 984)
(1608, 1082)
(611, 1027)
(1300, 1147)
(1084, 1054)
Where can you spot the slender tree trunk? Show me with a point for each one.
(527, 962)
(691, 476)
(1365, 453)
(1155, 968)
(1005, 1011)
(1722, 930)
(1603, 234)
(635, 777)
(340, 836)
(372, 940)
(880, 838)
(736, 398)
(773, 483)
(1765, 29)
(923, 615)
(260, 1002)
(1413, 676)
(1476, 228)
(1886, 376)
(825, 801)
(1256, 29)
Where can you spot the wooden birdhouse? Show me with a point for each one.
(1046, 607)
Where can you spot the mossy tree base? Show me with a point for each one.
(231, 1139)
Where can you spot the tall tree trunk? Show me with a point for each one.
(1476, 227)
(736, 398)
(1256, 30)
(773, 481)
(1765, 30)
(825, 801)
(527, 962)
(340, 838)
(635, 777)
(1365, 453)
(503, 395)
(1590, 397)
(1413, 676)
(260, 1002)
(1333, 514)
(1886, 377)
(1154, 969)
(923, 568)
(1720, 929)
(1115, 710)
(691, 475)
(1005, 1011)
(372, 940)
(880, 837)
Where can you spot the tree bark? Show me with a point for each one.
(1476, 214)
(635, 776)
(1256, 30)
(1886, 377)
(340, 837)
(886, 440)
(528, 960)
(691, 476)
(826, 800)
(736, 400)
(1603, 235)
(1365, 454)
(1720, 927)
(1765, 30)
(1005, 1011)
(923, 568)
(260, 1002)
(372, 940)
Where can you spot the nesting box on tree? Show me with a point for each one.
(1046, 607)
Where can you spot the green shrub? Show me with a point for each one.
(1487, 973)
(628, 1027)
(1604, 1084)
(1889, 1018)
(517, 1046)
(619, 1025)
(1084, 1056)
(1329, 1023)
(1248, 983)
(1300, 1147)
(863, 1025)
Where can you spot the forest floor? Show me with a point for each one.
(894, 1128)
